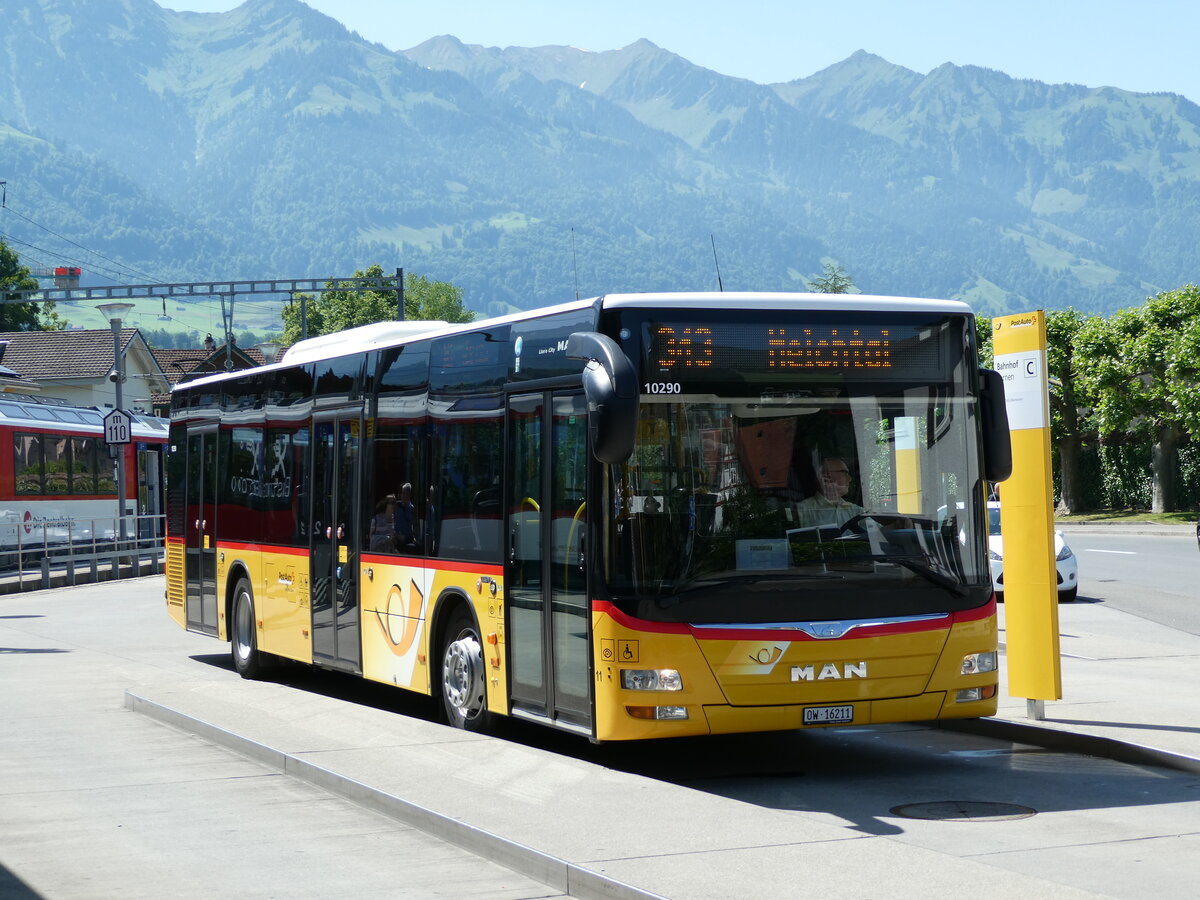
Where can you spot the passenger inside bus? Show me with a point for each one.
(383, 534)
(406, 518)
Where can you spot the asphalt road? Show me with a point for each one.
(1154, 576)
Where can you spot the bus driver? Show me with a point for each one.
(829, 506)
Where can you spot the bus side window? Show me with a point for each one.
(467, 465)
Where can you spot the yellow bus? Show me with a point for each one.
(635, 516)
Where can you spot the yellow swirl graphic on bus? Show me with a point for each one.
(403, 617)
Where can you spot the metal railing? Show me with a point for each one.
(41, 554)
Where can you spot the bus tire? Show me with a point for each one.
(243, 641)
(464, 685)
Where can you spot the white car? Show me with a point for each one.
(1064, 559)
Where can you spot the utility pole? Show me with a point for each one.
(115, 313)
(227, 322)
(399, 295)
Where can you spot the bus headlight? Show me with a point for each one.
(978, 663)
(657, 712)
(970, 695)
(651, 680)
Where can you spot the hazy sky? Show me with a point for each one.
(1139, 46)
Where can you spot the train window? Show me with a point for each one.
(84, 467)
(56, 456)
(27, 463)
(14, 411)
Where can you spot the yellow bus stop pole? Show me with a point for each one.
(1027, 515)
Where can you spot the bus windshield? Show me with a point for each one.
(840, 498)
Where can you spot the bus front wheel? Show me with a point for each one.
(464, 691)
(247, 659)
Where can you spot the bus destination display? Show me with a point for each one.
(712, 351)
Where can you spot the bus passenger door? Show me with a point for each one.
(200, 545)
(333, 577)
(545, 582)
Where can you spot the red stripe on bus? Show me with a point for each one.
(263, 548)
(750, 634)
(377, 559)
(630, 622)
(980, 612)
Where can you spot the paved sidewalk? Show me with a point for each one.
(661, 839)
(1129, 685)
(1121, 526)
(579, 828)
(1129, 692)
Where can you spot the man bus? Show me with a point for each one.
(611, 532)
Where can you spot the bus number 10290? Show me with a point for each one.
(662, 387)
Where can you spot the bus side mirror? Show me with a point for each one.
(610, 385)
(993, 417)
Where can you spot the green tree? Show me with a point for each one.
(16, 316)
(983, 340)
(833, 280)
(1067, 421)
(337, 310)
(1142, 375)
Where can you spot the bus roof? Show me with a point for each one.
(388, 334)
(764, 300)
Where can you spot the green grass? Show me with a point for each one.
(1133, 515)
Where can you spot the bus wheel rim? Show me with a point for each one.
(462, 676)
(242, 626)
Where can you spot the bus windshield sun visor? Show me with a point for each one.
(610, 384)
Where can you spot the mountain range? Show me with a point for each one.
(269, 141)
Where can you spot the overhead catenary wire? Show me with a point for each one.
(119, 277)
(120, 274)
(128, 268)
(104, 270)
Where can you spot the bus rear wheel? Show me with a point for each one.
(464, 688)
(243, 642)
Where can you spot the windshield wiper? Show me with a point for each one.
(927, 572)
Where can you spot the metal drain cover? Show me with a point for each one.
(964, 811)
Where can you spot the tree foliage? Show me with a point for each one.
(833, 280)
(1140, 372)
(16, 316)
(1124, 403)
(1067, 418)
(336, 310)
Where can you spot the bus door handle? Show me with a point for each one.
(329, 532)
(341, 532)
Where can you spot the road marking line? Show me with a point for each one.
(1121, 552)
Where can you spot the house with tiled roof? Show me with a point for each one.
(75, 365)
(11, 381)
